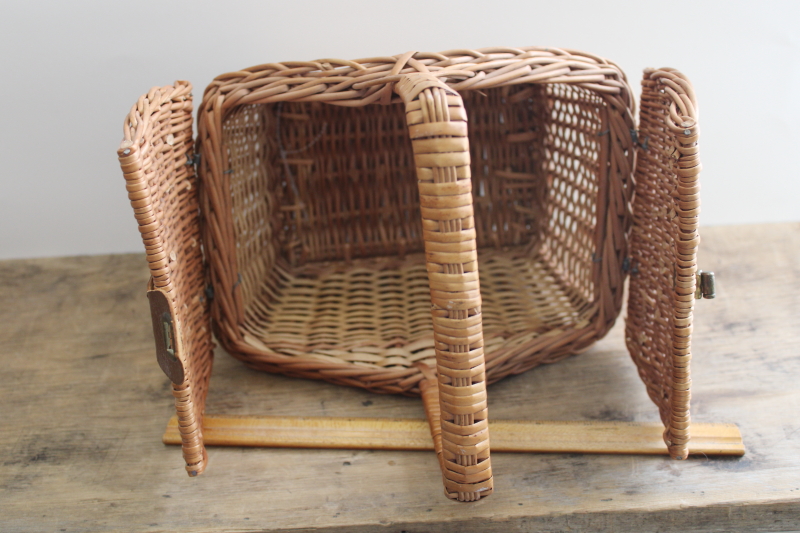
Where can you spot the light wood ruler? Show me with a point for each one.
(414, 434)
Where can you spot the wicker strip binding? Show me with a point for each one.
(162, 189)
(664, 249)
(438, 129)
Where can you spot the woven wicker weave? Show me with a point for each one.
(162, 190)
(664, 245)
(329, 239)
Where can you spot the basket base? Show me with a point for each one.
(374, 317)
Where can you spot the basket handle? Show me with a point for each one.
(437, 125)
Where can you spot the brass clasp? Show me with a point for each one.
(166, 324)
(705, 286)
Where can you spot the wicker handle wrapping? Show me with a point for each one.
(664, 248)
(437, 125)
(155, 157)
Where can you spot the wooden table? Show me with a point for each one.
(83, 406)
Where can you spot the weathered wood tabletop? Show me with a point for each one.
(83, 406)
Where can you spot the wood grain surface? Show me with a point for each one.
(83, 406)
(353, 433)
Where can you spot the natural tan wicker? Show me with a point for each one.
(664, 249)
(329, 239)
(162, 189)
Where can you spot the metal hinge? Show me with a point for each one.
(706, 285)
(192, 160)
(635, 140)
(209, 292)
(169, 339)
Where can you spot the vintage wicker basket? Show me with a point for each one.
(341, 204)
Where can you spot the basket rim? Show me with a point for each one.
(360, 82)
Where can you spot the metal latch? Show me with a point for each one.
(166, 323)
(706, 286)
(167, 334)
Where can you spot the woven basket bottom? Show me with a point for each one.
(366, 322)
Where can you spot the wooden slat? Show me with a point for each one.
(413, 434)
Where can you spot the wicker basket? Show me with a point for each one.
(341, 204)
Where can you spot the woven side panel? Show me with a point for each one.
(572, 162)
(162, 189)
(506, 141)
(316, 182)
(438, 129)
(255, 198)
(588, 167)
(664, 249)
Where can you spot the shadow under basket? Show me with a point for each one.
(419, 224)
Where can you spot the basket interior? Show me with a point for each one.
(328, 231)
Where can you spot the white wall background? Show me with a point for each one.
(69, 72)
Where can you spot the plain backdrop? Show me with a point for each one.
(69, 72)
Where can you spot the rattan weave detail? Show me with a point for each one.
(375, 314)
(310, 182)
(664, 249)
(162, 189)
(346, 206)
